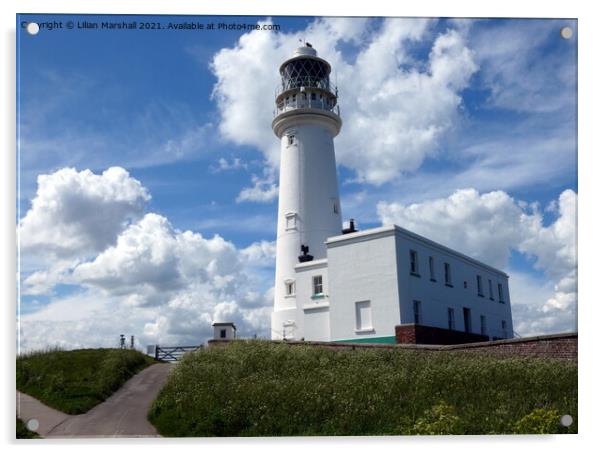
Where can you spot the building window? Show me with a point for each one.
(432, 268)
(222, 333)
(479, 285)
(451, 319)
(465, 284)
(289, 286)
(363, 315)
(414, 262)
(448, 280)
(467, 320)
(483, 325)
(313, 96)
(291, 139)
(490, 290)
(504, 332)
(417, 312)
(500, 291)
(317, 284)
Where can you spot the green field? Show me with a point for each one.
(75, 381)
(259, 388)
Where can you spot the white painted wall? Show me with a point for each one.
(374, 266)
(363, 270)
(436, 297)
(313, 311)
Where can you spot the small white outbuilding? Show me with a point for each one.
(224, 331)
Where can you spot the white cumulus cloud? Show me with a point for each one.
(74, 213)
(395, 110)
(264, 190)
(262, 253)
(152, 261)
(484, 226)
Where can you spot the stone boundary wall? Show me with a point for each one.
(559, 346)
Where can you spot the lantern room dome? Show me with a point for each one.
(305, 50)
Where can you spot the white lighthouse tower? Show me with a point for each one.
(306, 121)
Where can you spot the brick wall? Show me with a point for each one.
(419, 334)
(562, 346)
(559, 346)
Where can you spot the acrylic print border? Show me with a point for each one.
(82, 222)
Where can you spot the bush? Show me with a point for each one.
(539, 421)
(261, 388)
(439, 419)
(75, 381)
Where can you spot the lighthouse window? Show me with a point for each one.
(289, 287)
(291, 220)
(317, 280)
(291, 139)
(335, 205)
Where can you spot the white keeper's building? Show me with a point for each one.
(335, 284)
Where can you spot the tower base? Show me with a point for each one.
(284, 326)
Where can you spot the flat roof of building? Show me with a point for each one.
(388, 230)
(224, 324)
(311, 264)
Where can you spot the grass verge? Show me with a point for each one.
(75, 381)
(258, 388)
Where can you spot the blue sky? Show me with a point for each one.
(430, 108)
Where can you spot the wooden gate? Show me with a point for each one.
(173, 353)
